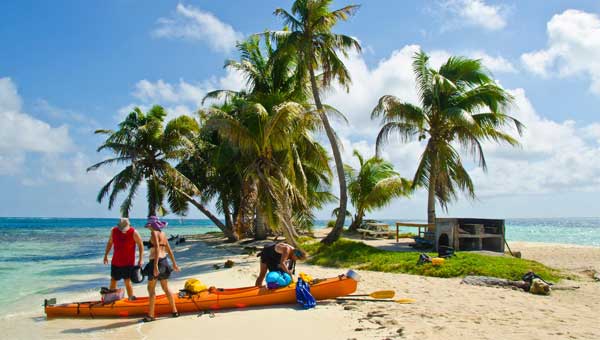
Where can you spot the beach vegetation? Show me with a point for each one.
(357, 255)
(283, 172)
(461, 107)
(372, 186)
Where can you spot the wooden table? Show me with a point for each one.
(425, 227)
(375, 229)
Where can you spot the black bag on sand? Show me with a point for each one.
(136, 275)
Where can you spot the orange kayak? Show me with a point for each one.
(213, 299)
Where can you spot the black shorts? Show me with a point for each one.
(164, 269)
(118, 273)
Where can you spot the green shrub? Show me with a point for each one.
(357, 255)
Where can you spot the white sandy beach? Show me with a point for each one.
(444, 309)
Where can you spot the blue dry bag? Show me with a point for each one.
(303, 296)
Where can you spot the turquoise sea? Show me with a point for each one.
(45, 257)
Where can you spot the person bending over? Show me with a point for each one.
(278, 257)
(123, 238)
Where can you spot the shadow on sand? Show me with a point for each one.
(114, 325)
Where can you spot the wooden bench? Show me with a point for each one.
(375, 230)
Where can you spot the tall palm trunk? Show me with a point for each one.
(260, 230)
(336, 232)
(152, 184)
(245, 217)
(431, 193)
(431, 201)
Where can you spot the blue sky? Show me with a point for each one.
(69, 67)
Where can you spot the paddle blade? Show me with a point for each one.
(405, 301)
(383, 294)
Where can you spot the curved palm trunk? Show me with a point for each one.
(245, 217)
(227, 231)
(336, 232)
(358, 218)
(289, 232)
(227, 213)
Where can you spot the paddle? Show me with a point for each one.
(402, 301)
(380, 294)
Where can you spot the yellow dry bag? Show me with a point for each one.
(194, 286)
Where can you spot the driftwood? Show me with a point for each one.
(490, 281)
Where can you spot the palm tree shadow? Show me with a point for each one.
(101, 328)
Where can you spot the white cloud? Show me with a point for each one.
(456, 13)
(180, 98)
(554, 156)
(73, 169)
(495, 64)
(573, 48)
(192, 23)
(161, 91)
(392, 75)
(592, 131)
(21, 133)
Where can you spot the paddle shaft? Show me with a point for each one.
(380, 294)
(371, 300)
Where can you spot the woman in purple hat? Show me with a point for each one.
(158, 267)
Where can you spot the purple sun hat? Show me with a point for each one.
(155, 224)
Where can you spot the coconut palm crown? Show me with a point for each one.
(372, 186)
(146, 147)
(460, 107)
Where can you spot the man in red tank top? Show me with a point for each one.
(124, 238)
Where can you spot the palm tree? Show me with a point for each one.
(461, 106)
(147, 148)
(266, 143)
(212, 170)
(308, 37)
(373, 186)
(271, 86)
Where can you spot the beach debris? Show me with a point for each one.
(228, 264)
(531, 283)
(376, 314)
(400, 331)
(216, 266)
(596, 276)
(489, 281)
(350, 307)
(539, 287)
